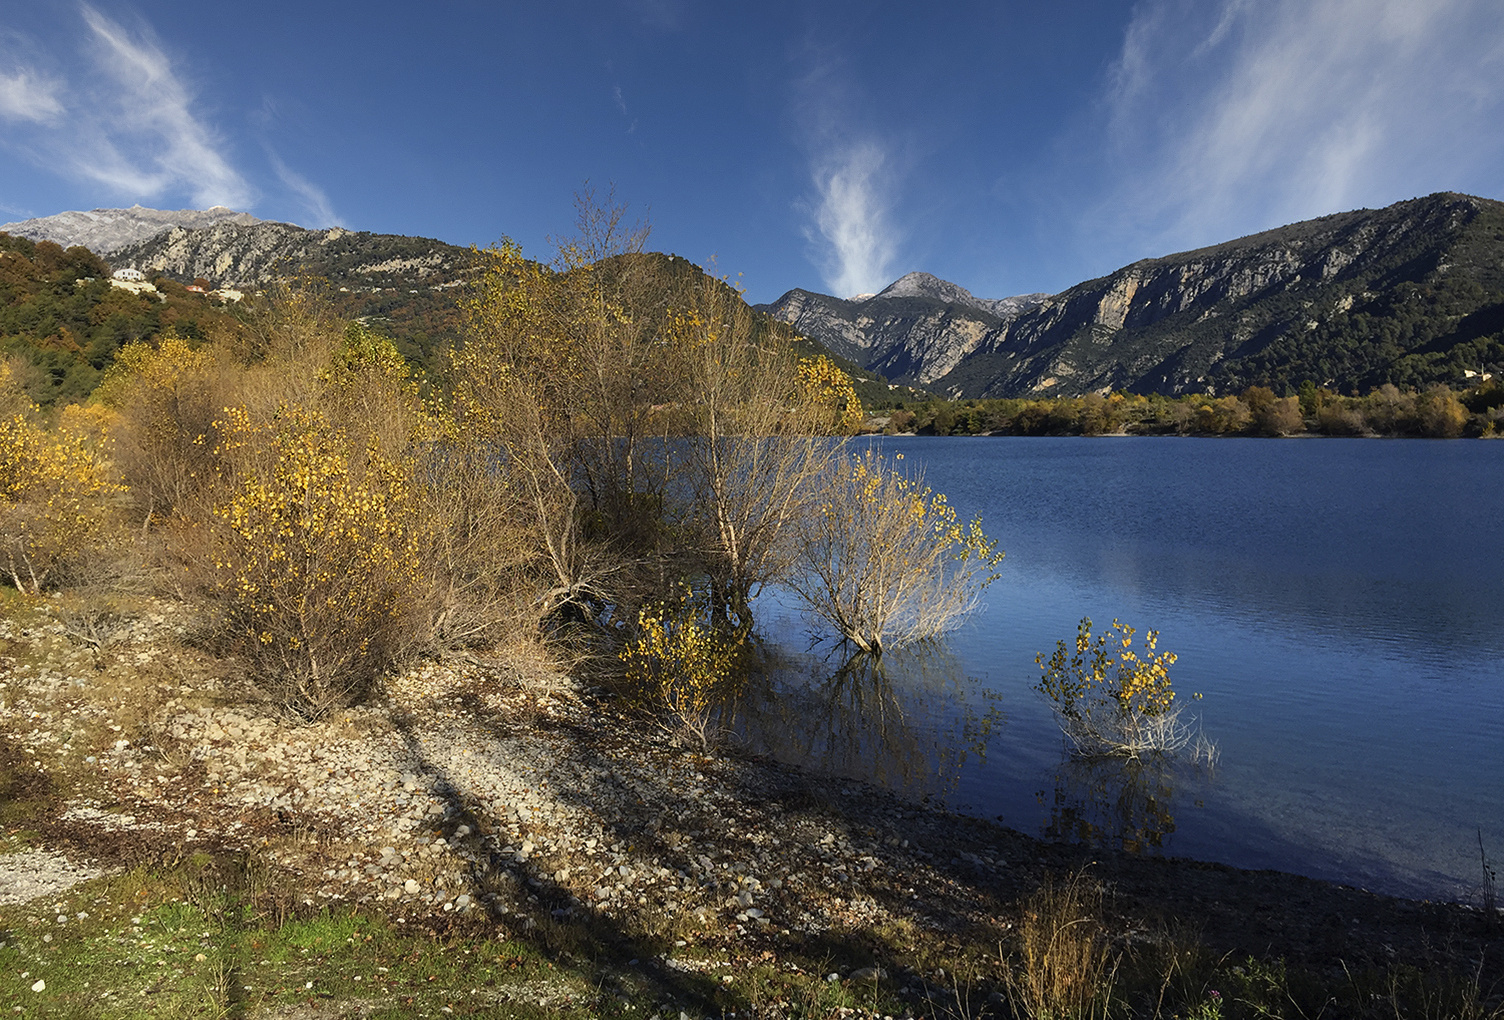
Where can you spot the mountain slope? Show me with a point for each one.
(916, 330)
(1412, 294)
(251, 255)
(59, 311)
(104, 230)
(63, 322)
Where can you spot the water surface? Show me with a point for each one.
(1339, 604)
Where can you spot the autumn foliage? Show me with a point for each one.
(1110, 697)
(681, 660)
(58, 495)
(315, 556)
(884, 559)
(619, 456)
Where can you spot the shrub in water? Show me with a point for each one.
(1109, 699)
(885, 560)
(681, 661)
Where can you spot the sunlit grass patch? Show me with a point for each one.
(162, 943)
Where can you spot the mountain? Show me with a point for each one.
(916, 330)
(923, 285)
(102, 231)
(252, 255)
(61, 313)
(407, 287)
(1411, 294)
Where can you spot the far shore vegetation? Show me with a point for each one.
(1437, 412)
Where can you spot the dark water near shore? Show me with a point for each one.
(1339, 604)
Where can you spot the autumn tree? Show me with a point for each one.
(758, 424)
(58, 492)
(885, 560)
(538, 386)
(166, 398)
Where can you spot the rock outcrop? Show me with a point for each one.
(249, 256)
(1411, 294)
(103, 231)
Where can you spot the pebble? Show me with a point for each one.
(624, 824)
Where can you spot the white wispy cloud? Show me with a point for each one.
(850, 223)
(320, 213)
(1229, 116)
(152, 138)
(122, 116)
(26, 95)
(851, 216)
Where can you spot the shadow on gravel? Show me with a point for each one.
(958, 882)
(558, 925)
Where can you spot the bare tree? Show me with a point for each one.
(884, 560)
(758, 437)
(601, 231)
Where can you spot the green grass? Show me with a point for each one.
(146, 943)
(206, 938)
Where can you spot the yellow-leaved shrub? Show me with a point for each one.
(1110, 698)
(166, 397)
(315, 566)
(884, 559)
(822, 384)
(57, 495)
(681, 661)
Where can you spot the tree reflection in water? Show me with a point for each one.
(902, 720)
(1112, 802)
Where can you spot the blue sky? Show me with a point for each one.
(1008, 147)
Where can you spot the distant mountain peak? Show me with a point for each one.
(927, 286)
(107, 230)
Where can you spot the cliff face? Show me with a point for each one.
(251, 255)
(1411, 294)
(1324, 300)
(915, 331)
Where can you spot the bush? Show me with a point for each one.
(57, 497)
(1441, 414)
(682, 662)
(315, 557)
(166, 398)
(884, 559)
(1108, 699)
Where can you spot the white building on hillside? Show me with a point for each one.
(131, 275)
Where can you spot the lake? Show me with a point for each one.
(1338, 603)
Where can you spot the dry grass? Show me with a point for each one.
(1065, 968)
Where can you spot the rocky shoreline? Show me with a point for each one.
(498, 794)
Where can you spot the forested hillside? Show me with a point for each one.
(63, 320)
(61, 316)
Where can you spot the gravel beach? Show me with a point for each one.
(514, 797)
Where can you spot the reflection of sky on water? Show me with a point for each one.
(909, 721)
(1339, 604)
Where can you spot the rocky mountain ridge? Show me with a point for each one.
(251, 255)
(103, 231)
(915, 330)
(1411, 294)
